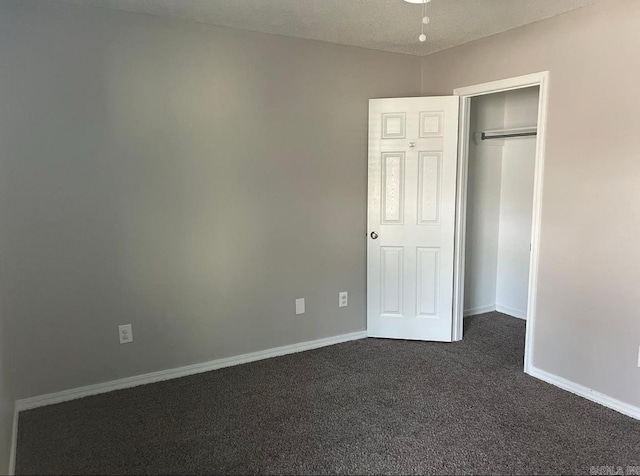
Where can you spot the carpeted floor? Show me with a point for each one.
(365, 407)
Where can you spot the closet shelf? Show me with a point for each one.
(497, 136)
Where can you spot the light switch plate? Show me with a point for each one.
(300, 306)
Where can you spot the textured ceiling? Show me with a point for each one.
(389, 25)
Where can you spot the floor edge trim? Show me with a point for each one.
(169, 374)
(585, 392)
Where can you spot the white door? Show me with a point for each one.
(413, 152)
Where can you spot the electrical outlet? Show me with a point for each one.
(343, 299)
(300, 306)
(126, 333)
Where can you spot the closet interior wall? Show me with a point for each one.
(500, 204)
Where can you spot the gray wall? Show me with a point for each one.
(6, 404)
(188, 179)
(587, 325)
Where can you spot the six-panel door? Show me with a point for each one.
(411, 217)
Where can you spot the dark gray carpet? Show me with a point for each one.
(369, 406)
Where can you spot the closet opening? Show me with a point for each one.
(500, 179)
(499, 203)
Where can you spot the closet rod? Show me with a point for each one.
(504, 136)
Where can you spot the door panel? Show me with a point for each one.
(411, 217)
(427, 282)
(391, 263)
(429, 190)
(393, 190)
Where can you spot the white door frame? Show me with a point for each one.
(466, 93)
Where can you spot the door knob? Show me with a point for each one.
(374, 235)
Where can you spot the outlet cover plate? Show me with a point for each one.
(126, 333)
(343, 299)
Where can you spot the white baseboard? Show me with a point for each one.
(479, 310)
(589, 394)
(66, 395)
(511, 311)
(14, 442)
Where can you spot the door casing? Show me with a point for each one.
(466, 94)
